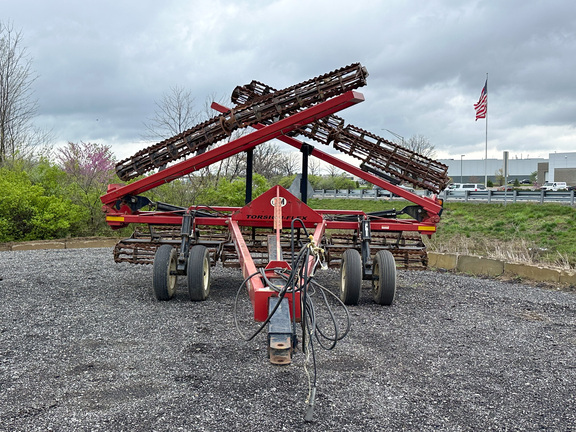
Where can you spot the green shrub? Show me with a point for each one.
(27, 213)
(232, 193)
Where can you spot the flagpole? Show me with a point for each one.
(486, 148)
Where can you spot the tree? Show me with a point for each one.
(339, 181)
(17, 106)
(174, 114)
(90, 168)
(267, 160)
(420, 145)
(289, 164)
(233, 192)
(314, 167)
(500, 176)
(333, 171)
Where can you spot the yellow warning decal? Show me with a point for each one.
(426, 228)
(115, 218)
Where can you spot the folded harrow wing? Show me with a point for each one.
(284, 102)
(378, 155)
(276, 239)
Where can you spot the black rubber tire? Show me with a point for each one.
(384, 278)
(164, 275)
(350, 277)
(198, 273)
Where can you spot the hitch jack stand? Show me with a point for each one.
(280, 332)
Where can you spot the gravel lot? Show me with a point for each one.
(84, 346)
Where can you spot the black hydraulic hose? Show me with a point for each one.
(303, 298)
(319, 332)
(292, 235)
(309, 416)
(281, 296)
(292, 223)
(269, 282)
(266, 321)
(325, 291)
(299, 280)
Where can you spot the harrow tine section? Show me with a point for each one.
(278, 104)
(377, 154)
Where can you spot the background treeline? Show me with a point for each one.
(57, 194)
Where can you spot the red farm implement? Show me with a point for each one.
(276, 239)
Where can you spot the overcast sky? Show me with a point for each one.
(102, 65)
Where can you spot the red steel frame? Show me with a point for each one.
(259, 292)
(241, 144)
(429, 204)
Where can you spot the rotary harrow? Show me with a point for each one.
(276, 239)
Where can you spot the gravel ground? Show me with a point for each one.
(84, 346)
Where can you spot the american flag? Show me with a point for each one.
(482, 105)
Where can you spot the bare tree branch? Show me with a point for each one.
(174, 114)
(421, 145)
(17, 106)
(314, 166)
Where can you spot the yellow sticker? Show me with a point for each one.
(426, 228)
(115, 218)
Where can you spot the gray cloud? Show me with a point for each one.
(103, 65)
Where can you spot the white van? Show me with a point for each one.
(461, 188)
(555, 186)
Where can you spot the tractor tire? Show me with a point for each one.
(350, 277)
(164, 274)
(384, 278)
(198, 273)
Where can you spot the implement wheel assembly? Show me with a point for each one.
(384, 278)
(351, 277)
(164, 277)
(199, 273)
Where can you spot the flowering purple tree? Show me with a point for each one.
(90, 168)
(88, 163)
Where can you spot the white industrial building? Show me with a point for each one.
(558, 167)
(562, 167)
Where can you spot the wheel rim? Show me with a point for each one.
(205, 275)
(375, 277)
(172, 273)
(343, 280)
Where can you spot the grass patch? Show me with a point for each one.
(518, 232)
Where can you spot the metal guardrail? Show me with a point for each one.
(566, 197)
(353, 193)
(489, 196)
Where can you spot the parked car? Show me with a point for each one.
(555, 186)
(525, 181)
(384, 192)
(461, 188)
(506, 188)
